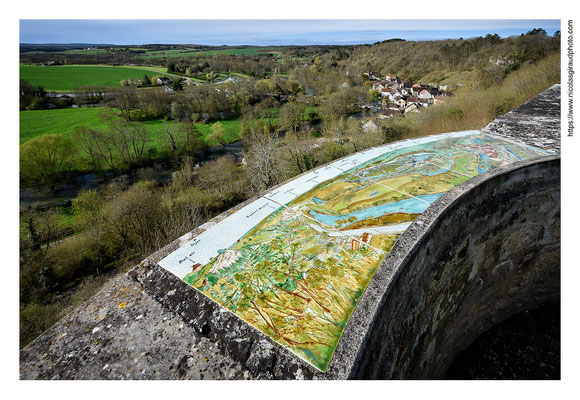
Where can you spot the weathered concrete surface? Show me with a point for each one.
(416, 313)
(536, 122)
(489, 249)
(125, 333)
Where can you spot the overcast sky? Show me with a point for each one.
(266, 32)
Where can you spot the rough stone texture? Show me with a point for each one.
(125, 333)
(254, 352)
(480, 253)
(474, 259)
(536, 122)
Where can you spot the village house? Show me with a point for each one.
(400, 96)
(164, 81)
(400, 101)
(412, 107)
(425, 94)
(439, 99)
(394, 94)
(386, 92)
(415, 89)
(393, 85)
(389, 112)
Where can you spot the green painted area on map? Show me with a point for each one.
(299, 273)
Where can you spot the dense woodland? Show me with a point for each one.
(295, 112)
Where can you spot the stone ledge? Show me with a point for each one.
(148, 324)
(149, 320)
(536, 122)
(413, 264)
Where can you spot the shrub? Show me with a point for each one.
(35, 319)
(225, 178)
(72, 258)
(132, 219)
(47, 158)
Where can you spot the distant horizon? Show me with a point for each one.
(265, 32)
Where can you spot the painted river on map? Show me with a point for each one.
(295, 262)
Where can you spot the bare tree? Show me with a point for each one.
(129, 139)
(335, 130)
(155, 102)
(85, 139)
(123, 102)
(300, 157)
(292, 116)
(97, 145)
(173, 135)
(88, 209)
(262, 159)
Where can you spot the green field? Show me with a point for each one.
(64, 121)
(68, 77)
(183, 52)
(86, 52)
(232, 52)
(162, 70)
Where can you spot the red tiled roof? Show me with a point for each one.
(389, 112)
(365, 237)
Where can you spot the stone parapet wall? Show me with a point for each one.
(485, 250)
(536, 122)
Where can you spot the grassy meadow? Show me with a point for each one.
(227, 52)
(68, 77)
(86, 51)
(181, 52)
(64, 121)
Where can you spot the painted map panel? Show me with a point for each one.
(294, 263)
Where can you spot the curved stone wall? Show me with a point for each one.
(485, 251)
